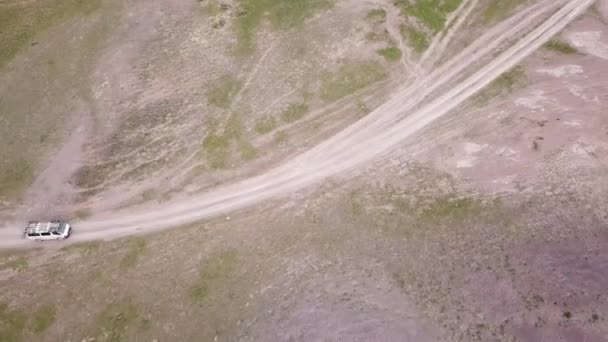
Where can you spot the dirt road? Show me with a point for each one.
(409, 111)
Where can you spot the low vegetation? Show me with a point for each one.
(22, 21)
(503, 84)
(376, 16)
(432, 13)
(82, 248)
(265, 124)
(136, 247)
(14, 262)
(43, 318)
(213, 7)
(114, 321)
(294, 112)
(222, 91)
(216, 148)
(281, 137)
(281, 14)
(12, 324)
(497, 10)
(246, 150)
(214, 272)
(449, 206)
(219, 144)
(383, 36)
(391, 54)
(350, 78)
(416, 38)
(559, 46)
(16, 176)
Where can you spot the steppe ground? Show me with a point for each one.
(488, 226)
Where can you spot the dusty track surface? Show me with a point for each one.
(408, 112)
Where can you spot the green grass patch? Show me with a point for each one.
(416, 38)
(217, 150)
(20, 23)
(450, 207)
(214, 273)
(376, 16)
(559, 46)
(432, 13)
(497, 10)
(218, 146)
(294, 112)
(12, 324)
(136, 247)
(265, 124)
(349, 78)
(391, 54)
(281, 137)
(281, 14)
(504, 84)
(43, 318)
(222, 91)
(83, 248)
(113, 322)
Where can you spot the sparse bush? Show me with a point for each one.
(265, 124)
(559, 46)
(417, 39)
(294, 112)
(391, 54)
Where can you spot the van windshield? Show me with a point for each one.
(61, 228)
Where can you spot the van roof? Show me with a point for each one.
(36, 227)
